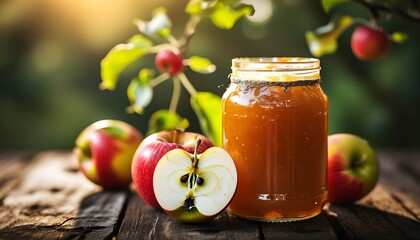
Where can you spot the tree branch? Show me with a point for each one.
(376, 8)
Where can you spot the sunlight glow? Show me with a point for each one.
(263, 11)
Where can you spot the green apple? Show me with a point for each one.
(195, 188)
(104, 151)
(353, 168)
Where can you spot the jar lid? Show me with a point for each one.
(278, 69)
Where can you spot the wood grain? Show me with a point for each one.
(48, 198)
(316, 228)
(143, 222)
(400, 173)
(11, 166)
(54, 201)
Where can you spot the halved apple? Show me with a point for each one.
(195, 188)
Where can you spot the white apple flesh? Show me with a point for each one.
(151, 151)
(195, 188)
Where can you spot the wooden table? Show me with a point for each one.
(44, 196)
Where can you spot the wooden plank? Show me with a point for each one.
(143, 222)
(11, 164)
(376, 216)
(315, 228)
(400, 174)
(54, 201)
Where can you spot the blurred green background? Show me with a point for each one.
(50, 52)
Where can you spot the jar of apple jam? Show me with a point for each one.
(275, 128)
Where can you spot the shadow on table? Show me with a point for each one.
(360, 222)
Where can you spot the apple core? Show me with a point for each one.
(195, 188)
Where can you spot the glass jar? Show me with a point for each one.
(275, 128)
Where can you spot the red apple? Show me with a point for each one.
(105, 150)
(353, 168)
(369, 43)
(195, 188)
(168, 61)
(152, 149)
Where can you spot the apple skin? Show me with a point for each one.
(105, 150)
(168, 61)
(193, 216)
(369, 43)
(152, 149)
(353, 168)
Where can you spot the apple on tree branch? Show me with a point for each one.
(369, 41)
(155, 37)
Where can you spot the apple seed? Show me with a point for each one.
(184, 178)
(200, 181)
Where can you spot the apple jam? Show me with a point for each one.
(275, 129)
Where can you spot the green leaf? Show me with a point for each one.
(146, 74)
(166, 120)
(201, 65)
(119, 57)
(328, 4)
(223, 13)
(399, 37)
(324, 39)
(224, 16)
(208, 109)
(139, 92)
(393, 2)
(158, 27)
(200, 7)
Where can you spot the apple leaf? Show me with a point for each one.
(158, 27)
(200, 7)
(201, 65)
(208, 109)
(324, 39)
(223, 13)
(166, 120)
(146, 74)
(399, 37)
(224, 16)
(328, 4)
(139, 92)
(119, 57)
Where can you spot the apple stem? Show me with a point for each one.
(176, 93)
(359, 163)
(197, 144)
(175, 136)
(159, 79)
(187, 84)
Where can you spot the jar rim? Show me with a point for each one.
(275, 63)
